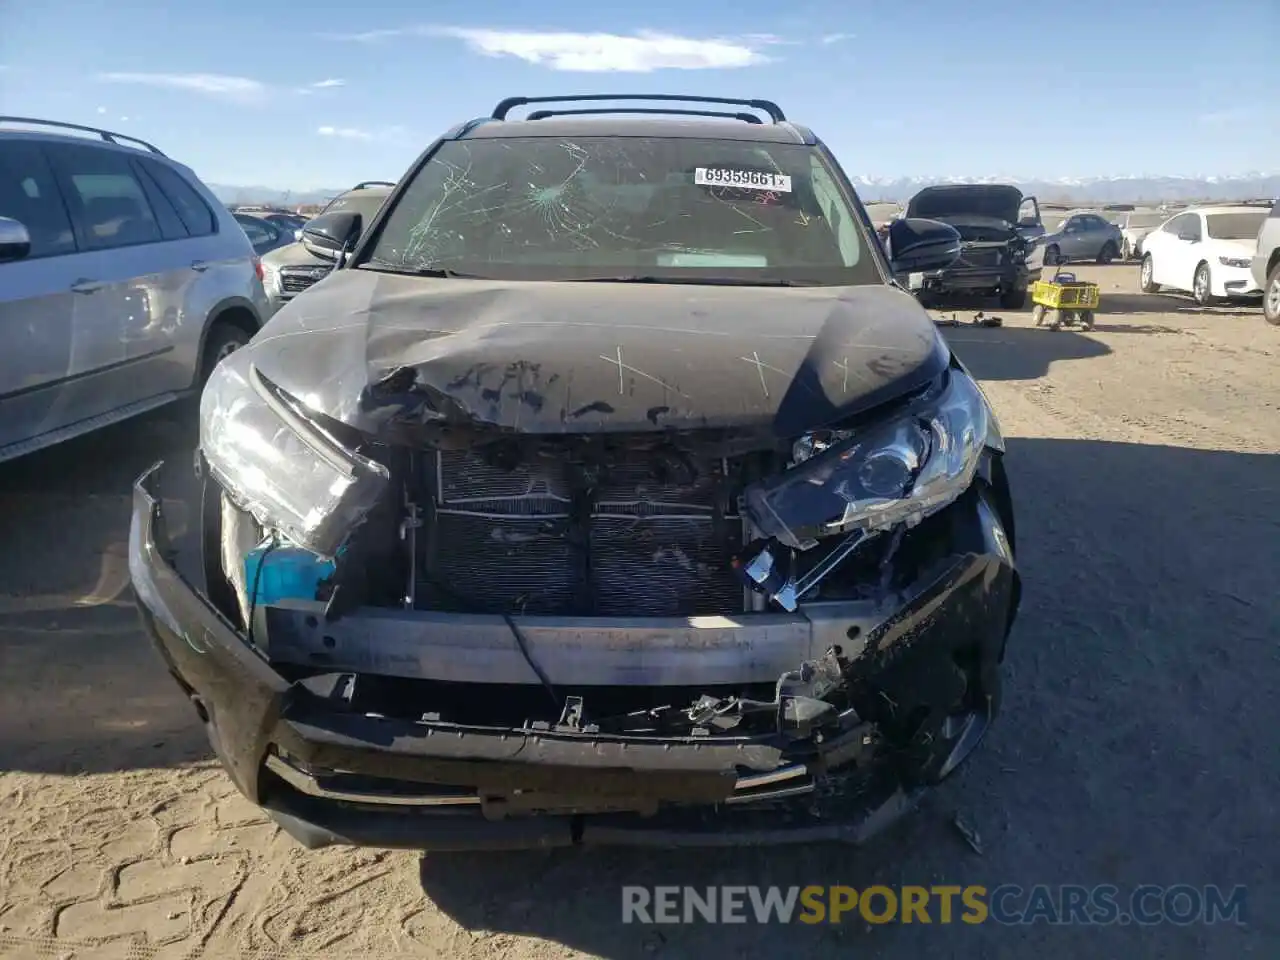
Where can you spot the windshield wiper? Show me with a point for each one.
(383, 266)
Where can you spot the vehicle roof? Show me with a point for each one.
(622, 125)
(363, 192)
(1226, 208)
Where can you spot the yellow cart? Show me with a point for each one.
(1064, 300)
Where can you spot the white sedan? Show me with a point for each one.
(1206, 252)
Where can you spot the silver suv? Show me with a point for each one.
(123, 281)
(1266, 265)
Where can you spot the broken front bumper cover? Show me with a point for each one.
(329, 775)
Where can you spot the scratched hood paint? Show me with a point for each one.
(542, 357)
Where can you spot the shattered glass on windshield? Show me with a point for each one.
(626, 208)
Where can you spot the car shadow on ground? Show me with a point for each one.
(81, 690)
(1136, 303)
(1017, 353)
(1145, 635)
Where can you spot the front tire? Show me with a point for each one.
(1107, 253)
(1202, 286)
(224, 340)
(1014, 299)
(1052, 255)
(1271, 298)
(1146, 276)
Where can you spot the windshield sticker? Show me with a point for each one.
(742, 179)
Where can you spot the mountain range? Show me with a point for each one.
(1084, 191)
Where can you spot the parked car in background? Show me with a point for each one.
(602, 521)
(1134, 228)
(123, 281)
(290, 269)
(1265, 264)
(263, 234)
(290, 223)
(1082, 235)
(1207, 251)
(997, 226)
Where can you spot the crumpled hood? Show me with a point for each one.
(990, 200)
(587, 357)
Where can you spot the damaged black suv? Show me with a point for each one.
(608, 491)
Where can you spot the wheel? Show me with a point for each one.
(1146, 281)
(1014, 299)
(1052, 255)
(1271, 299)
(1202, 286)
(1086, 319)
(1037, 314)
(224, 339)
(1055, 319)
(1107, 253)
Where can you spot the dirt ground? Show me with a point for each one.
(1137, 744)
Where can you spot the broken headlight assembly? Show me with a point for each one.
(278, 465)
(864, 481)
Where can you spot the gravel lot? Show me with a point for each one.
(1141, 697)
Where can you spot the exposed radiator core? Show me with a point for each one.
(530, 539)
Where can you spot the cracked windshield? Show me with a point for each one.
(690, 481)
(625, 208)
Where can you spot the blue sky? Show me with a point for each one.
(324, 94)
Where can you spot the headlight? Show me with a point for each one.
(878, 477)
(271, 279)
(273, 462)
(1234, 261)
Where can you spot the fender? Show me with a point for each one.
(222, 307)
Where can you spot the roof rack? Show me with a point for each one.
(767, 106)
(544, 114)
(366, 184)
(106, 135)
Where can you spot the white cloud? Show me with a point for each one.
(355, 133)
(831, 38)
(641, 52)
(237, 89)
(326, 84)
(345, 133)
(369, 36)
(102, 110)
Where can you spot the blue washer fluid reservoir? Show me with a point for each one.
(288, 573)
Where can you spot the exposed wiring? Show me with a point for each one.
(257, 581)
(533, 664)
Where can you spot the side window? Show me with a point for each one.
(1174, 225)
(170, 223)
(256, 230)
(194, 212)
(29, 195)
(828, 197)
(106, 200)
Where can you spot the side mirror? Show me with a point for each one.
(328, 236)
(1187, 235)
(15, 242)
(919, 245)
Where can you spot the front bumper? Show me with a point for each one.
(1258, 270)
(1234, 281)
(330, 774)
(978, 279)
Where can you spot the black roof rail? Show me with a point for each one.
(767, 106)
(544, 114)
(106, 135)
(366, 184)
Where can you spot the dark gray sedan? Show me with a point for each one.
(1082, 236)
(264, 235)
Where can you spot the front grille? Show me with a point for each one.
(980, 257)
(505, 541)
(294, 280)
